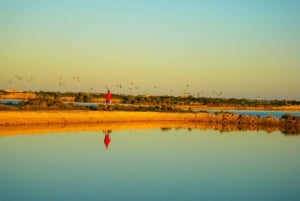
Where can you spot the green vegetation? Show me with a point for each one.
(55, 101)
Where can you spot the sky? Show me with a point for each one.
(212, 48)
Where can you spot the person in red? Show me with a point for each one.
(107, 138)
(108, 97)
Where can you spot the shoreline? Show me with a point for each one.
(11, 121)
(246, 108)
(46, 117)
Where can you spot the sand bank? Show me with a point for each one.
(15, 118)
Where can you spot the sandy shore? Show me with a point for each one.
(16, 118)
(26, 122)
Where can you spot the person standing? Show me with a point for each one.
(108, 97)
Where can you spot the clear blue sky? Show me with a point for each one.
(245, 49)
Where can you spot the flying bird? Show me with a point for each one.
(10, 81)
(76, 78)
(60, 83)
(18, 77)
(31, 80)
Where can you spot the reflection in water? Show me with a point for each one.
(291, 130)
(287, 131)
(107, 138)
(179, 164)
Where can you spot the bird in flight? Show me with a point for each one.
(31, 80)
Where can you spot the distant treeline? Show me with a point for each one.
(169, 100)
(55, 100)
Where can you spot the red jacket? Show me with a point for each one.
(108, 96)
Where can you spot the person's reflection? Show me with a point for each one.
(107, 138)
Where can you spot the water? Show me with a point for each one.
(154, 164)
(86, 104)
(10, 101)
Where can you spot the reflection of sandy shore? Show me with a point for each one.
(165, 125)
(19, 130)
(29, 122)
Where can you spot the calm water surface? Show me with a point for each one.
(159, 164)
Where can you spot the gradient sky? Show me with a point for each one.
(245, 49)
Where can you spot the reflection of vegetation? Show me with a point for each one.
(165, 129)
(292, 126)
(287, 130)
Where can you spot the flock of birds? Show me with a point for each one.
(17, 77)
(119, 87)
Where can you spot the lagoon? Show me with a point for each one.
(150, 164)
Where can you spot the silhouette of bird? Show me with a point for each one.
(219, 93)
(119, 86)
(199, 93)
(31, 80)
(10, 81)
(18, 77)
(60, 83)
(76, 78)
